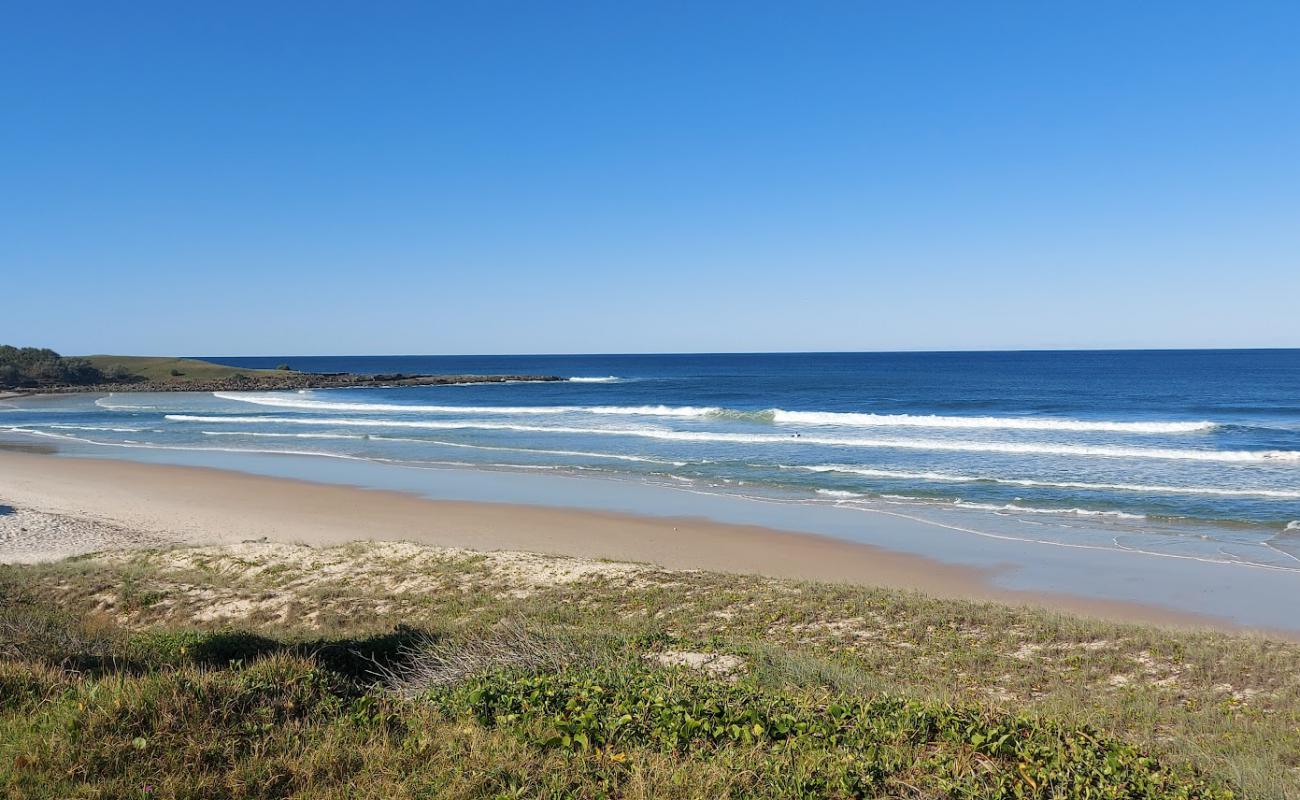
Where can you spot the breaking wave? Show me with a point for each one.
(104, 402)
(308, 404)
(932, 445)
(1026, 482)
(150, 446)
(1019, 509)
(838, 493)
(997, 423)
(96, 428)
(300, 402)
(268, 435)
(773, 415)
(368, 437)
(994, 507)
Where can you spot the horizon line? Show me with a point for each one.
(746, 352)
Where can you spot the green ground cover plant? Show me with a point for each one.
(390, 670)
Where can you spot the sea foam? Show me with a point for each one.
(296, 401)
(946, 477)
(999, 508)
(774, 415)
(838, 493)
(308, 404)
(1019, 509)
(1000, 423)
(441, 443)
(106, 402)
(933, 445)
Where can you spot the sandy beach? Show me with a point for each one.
(57, 507)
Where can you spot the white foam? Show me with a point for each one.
(60, 426)
(574, 453)
(1157, 488)
(837, 493)
(1019, 509)
(770, 439)
(932, 445)
(299, 402)
(1293, 525)
(1005, 507)
(103, 402)
(371, 423)
(130, 444)
(654, 411)
(605, 379)
(1117, 487)
(781, 416)
(96, 428)
(882, 473)
(997, 423)
(440, 443)
(944, 445)
(1068, 545)
(264, 434)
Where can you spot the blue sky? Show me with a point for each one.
(479, 177)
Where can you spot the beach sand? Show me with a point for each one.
(52, 507)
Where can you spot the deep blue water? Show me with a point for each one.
(1182, 452)
(1158, 384)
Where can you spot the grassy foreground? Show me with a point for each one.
(394, 670)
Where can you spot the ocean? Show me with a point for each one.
(1188, 454)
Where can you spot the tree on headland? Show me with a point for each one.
(40, 366)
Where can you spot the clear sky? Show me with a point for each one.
(521, 177)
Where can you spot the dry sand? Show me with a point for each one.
(51, 507)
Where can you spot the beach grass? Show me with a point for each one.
(398, 670)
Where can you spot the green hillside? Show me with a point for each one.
(166, 369)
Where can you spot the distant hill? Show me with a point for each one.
(37, 369)
(166, 369)
(41, 367)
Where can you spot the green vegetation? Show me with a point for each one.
(164, 369)
(38, 366)
(397, 671)
(800, 744)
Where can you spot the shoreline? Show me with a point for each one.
(206, 505)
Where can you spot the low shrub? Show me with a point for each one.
(426, 662)
(87, 710)
(26, 684)
(39, 633)
(849, 746)
(39, 366)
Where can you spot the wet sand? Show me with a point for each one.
(156, 503)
